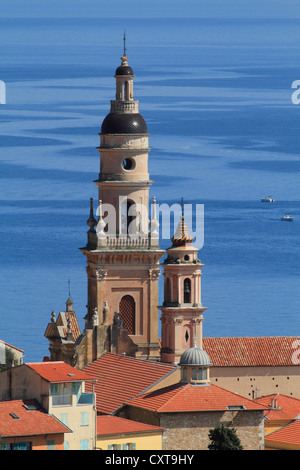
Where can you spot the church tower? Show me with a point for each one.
(122, 249)
(182, 310)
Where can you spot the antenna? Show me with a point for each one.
(124, 39)
(69, 282)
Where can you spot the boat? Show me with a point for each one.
(287, 218)
(267, 199)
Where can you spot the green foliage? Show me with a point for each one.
(224, 438)
(10, 359)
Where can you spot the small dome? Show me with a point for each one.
(124, 123)
(124, 70)
(182, 235)
(194, 357)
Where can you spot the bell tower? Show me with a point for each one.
(182, 310)
(122, 249)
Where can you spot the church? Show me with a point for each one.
(124, 263)
(123, 256)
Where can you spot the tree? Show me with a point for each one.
(224, 438)
(10, 359)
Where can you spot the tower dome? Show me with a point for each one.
(124, 123)
(124, 70)
(195, 357)
(124, 117)
(194, 364)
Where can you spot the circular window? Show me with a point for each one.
(128, 164)
(186, 257)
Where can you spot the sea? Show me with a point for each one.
(216, 93)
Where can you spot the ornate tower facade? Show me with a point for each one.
(122, 250)
(182, 310)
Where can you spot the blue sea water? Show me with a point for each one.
(216, 95)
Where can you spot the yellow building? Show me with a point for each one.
(286, 438)
(114, 433)
(60, 390)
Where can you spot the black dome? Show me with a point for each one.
(123, 123)
(124, 70)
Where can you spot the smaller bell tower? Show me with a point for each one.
(182, 310)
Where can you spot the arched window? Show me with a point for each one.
(129, 225)
(187, 291)
(127, 313)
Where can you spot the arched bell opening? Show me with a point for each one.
(187, 291)
(127, 313)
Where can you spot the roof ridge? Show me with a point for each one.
(235, 393)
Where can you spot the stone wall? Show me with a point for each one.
(189, 431)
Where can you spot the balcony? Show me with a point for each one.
(69, 400)
(86, 399)
(61, 400)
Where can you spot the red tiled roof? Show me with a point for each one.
(29, 422)
(289, 434)
(10, 346)
(111, 425)
(287, 407)
(186, 397)
(255, 351)
(121, 378)
(58, 372)
(62, 321)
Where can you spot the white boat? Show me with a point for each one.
(287, 218)
(267, 199)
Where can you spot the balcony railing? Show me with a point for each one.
(69, 400)
(86, 399)
(61, 400)
(123, 241)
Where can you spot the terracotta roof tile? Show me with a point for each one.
(186, 397)
(111, 425)
(289, 434)
(29, 421)
(58, 372)
(253, 351)
(287, 407)
(62, 321)
(121, 378)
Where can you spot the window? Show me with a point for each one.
(84, 417)
(51, 445)
(187, 291)
(128, 164)
(66, 445)
(127, 313)
(84, 444)
(53, 389)
(184, 373)
(22, 446)
(64, 418)
(114, 447)
(75, 388)
(129, 446)
(6, 446)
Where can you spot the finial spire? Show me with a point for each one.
(69, 283)
(91, 222)
(124, 39)
(182, 207)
